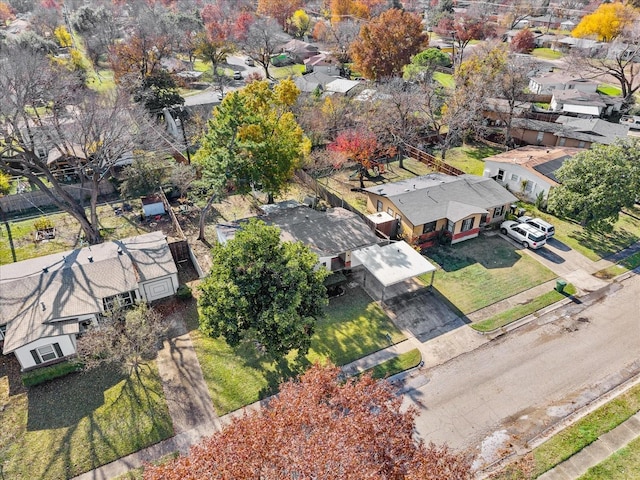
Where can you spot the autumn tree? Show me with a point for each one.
(523, 41)
(359, 146)
(261, 40)
(320, 426)
(607, 22)
(49, 111)
(386, 44)
(299, 23)
(596, 184)
(280, 10)
(138, 56)
(253, 141)
(462, 30)
(262, 289)
(127, 338)
(6, 13)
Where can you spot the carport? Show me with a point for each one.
(390, 265)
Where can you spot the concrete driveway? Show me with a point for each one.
(422, 313)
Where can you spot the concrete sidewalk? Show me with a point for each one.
(597, 452)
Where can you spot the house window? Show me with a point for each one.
(3, 331)
(379, 206)
(540, 137)
(398, 217)
(530, 187)
(500, 175)
(467, 224)
(390, 211)
(562, 142)
(118, 301)
(429, 227)
(580, 144)
(514, 177)
(46, 353)
(499, 211)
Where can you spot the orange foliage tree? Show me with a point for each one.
(360, 145)
(139, 56)
(280, 10)
(6, 13)
(320, 427)
(387, 43)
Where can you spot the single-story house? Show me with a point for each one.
(332, 235)
(341, 85)
(575, 101)
(323, 62)
(312, 82)
(549, 21)
(528, 170)
(566, 132)
(299, 51)
(561, 81)
(435, 204)
(567, 44)
(46, 302)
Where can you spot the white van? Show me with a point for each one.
(540, 224)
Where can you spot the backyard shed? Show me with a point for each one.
(152, 205)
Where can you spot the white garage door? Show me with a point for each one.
(158, 289)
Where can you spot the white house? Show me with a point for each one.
(561, 81)
(47, 301)
(529, 170)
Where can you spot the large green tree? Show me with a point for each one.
(253, 141)
(263, 289)
(598, 183)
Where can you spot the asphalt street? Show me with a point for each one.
(499, 397)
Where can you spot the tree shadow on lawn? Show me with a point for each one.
(64, 401)
(490, 252)
(605, 244)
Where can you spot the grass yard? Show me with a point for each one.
(629, 263)
(444, 79)
(610, 90)
(287, 71)
(577, 436)
(398, 364)
(354, 327)
(71, 425)
(68, 233)
(591, 244)
(521, 311)
(470, 157)
(622, 465)
(547, 53)
(101, 80)
(482, 271)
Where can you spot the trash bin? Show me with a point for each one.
(560, 284)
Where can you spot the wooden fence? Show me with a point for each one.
(431, 161)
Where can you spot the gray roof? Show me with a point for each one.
(310, 81)
(576, 97)
(593, 130)
(36, 294)
(438, 196)
(327, 234)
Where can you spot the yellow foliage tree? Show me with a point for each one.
(62, 36)
(607, 22)
(301, 22)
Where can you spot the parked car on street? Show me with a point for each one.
(527, 235)
(249, 61)
(237, 75)
(540, 224)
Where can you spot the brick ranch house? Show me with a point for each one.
(435, 204)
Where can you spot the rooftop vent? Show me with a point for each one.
(119, 250)
(90, 259)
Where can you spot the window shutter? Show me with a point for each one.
(36, 357)
(58, 350)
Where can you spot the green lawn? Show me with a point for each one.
(398, 364)
(445, 79)
(101, 80)
(520, 311)
(622, 465)
(546, 53)
(610, 90)
(470, 157)
(68, 231)
(288, 71)
(577, 436)
(479, 272)
(629, 263)
(73, 424)
(354, 327)
(594, 245)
